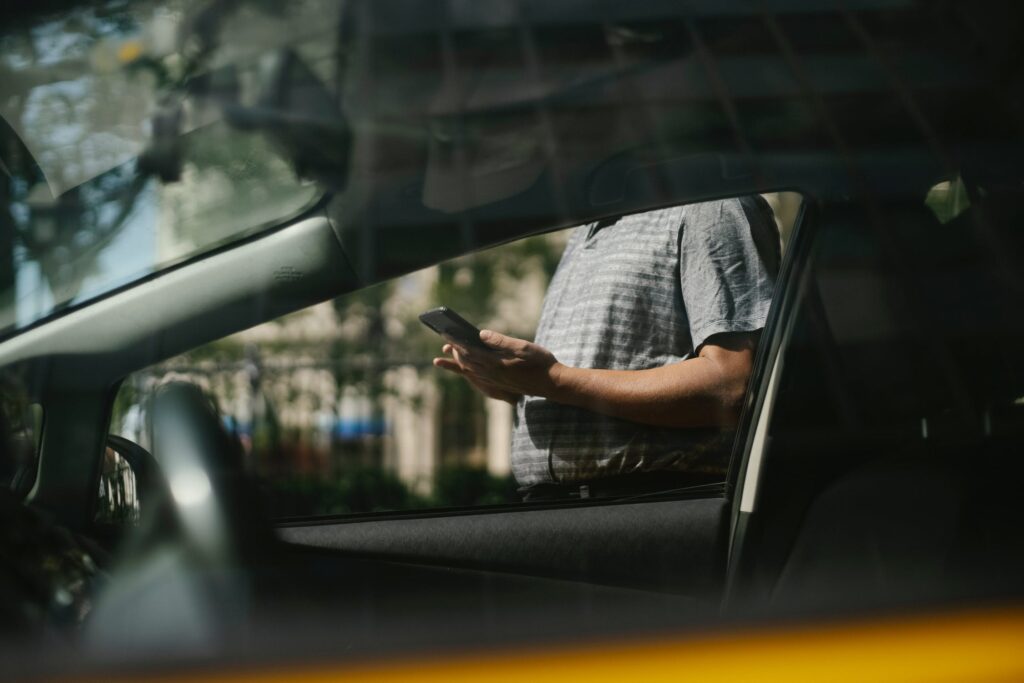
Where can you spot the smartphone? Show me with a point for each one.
(453, 327)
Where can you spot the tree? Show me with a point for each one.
(49, 217)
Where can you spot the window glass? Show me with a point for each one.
(127, 139)
(339, 409)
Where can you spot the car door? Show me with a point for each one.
(674, 542)
(881, 457)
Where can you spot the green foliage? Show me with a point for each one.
(266, 436)
(462, 486)
(372, 489)
(469, 284)
(127, 396)
(462, 413)
(363, 489)
(948, 200)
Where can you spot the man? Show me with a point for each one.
(643, 352)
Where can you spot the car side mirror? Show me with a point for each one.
(128, 478)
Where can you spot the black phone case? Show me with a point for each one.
(453, 327)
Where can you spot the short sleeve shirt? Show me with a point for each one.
(643, 292)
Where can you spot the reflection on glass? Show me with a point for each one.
(118, 501)
(117, 157)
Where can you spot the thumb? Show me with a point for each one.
(495, 340)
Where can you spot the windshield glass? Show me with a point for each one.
(136, 135)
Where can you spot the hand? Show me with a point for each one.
(488, 390)
(516, 367)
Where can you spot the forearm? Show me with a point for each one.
(703, 391)
(691, 393)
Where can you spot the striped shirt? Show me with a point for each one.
(643, 292)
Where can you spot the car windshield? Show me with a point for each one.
(137, 135)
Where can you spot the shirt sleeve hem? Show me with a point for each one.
(724, 326)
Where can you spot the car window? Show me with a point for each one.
(339, 409)
(126, 144)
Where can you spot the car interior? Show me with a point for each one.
(880, 476)
(892, 451)
(874, 464)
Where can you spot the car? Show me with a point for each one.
(226, 449)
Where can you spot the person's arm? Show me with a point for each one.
(703, 391)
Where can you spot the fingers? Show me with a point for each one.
(493, 390)
(459, 353)
(469, 358)
(459, 366)
(454, 367)
(511, 346)
(481, 384)
(461, 357)
(449, 365)
(495, 340)
(456, 352)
